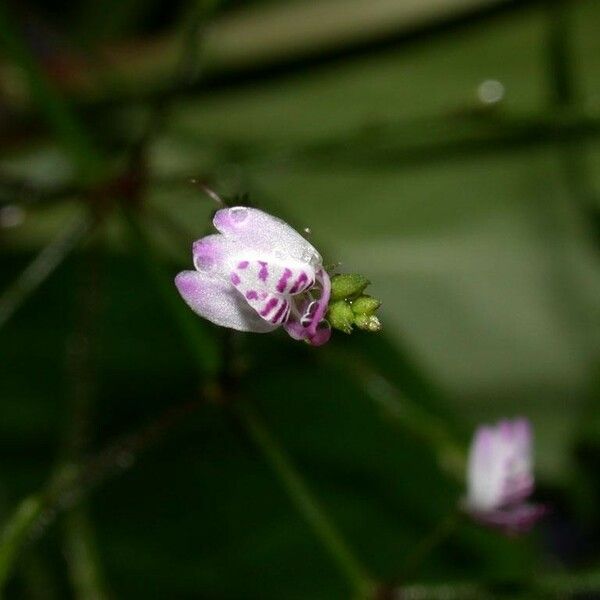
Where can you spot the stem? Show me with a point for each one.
(435, 537)
(201, 345)
(79, 538)
(82, 556)
(404, 411)
(304, 501)
(16, 532)
(71, 483)
(42, 266)
(543, 587)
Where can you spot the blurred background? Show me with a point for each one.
(446, 149)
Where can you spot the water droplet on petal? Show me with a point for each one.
(311, 256)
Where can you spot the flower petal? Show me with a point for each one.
(250, 270)
(215, 299)
(265, 233)
(514, 520)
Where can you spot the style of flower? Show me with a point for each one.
(500, 477)
(258, 274)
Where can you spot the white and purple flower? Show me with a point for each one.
(258, 274)
(500, 477)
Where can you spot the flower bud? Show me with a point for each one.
(347, 285)
(365, 305)
(367, 323)
(340, 316)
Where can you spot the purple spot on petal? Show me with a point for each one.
(243, 264)
(269, 306)
(279, 313)
(235, 278)
(264, 272)
(281, 285)
(302, 278)
(251, 295)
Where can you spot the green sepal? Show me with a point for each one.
(367, 323)
(365, 305)
(347, 286)
(340, 316)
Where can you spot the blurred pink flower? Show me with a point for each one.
(500, 477)
(258, 274)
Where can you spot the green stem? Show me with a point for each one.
(78, 536)
(405, 412)
(82, 556)
(202, 346)
(15, 533)
(435, 537)
(304, 501)
(42, 266)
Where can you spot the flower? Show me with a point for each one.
(500, 478)
(258, 274)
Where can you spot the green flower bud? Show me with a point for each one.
(367, 323)
(346, 286)
(365, 305)
(340, 316)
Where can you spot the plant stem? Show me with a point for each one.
(407, 413)
(82, 558)
(43, 265)
(202, 346)
(433, 539)
(78, 536)
(304, 501)
(15, 533)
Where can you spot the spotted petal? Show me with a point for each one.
(264, 233)
(268, 282)
(265, 280)
(213, 298)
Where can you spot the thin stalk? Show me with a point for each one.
(403, 411)
(71, 483)
(305, 502)
(202, 346)
(430, 542)
(16, 532)
(82, 556)
(78, 533)
(43, 265)
(544, 586)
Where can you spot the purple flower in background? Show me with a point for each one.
(258, 274)
(500, 477)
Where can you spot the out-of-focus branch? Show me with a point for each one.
(541, 587)
(304, 501)
(43, 265)
(59, 116)
(79, 536)
(277, 40)
(73, 482)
